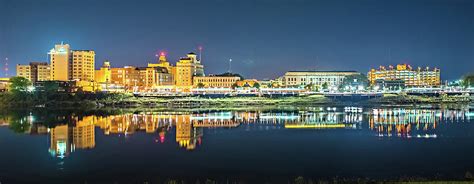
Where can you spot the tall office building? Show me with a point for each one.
(187, 68)
(60, 58)
(67, 64)
(83, 62)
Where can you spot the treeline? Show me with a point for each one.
(23, 94)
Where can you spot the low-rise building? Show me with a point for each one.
(318, 78)
(411, 77)
(216, 81)
(4, 84)
(35, 71)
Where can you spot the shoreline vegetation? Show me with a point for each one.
(114, 100)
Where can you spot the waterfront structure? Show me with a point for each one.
(187, 68)
(411, 77)
(216, 81)
(319, 78)
(35, 71)
(67, 64)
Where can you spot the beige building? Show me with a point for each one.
(187, 68)
(35, 71)
(412, 77)
(60, 57)
(4, 84)
(104, 74)
(67, 64)
(83, 62)
(215, 81)
(126, 76)
(141, 77)
(302, 78)
(23, 71)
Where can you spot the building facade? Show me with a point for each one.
(60, 57)
(35, 71)
(302, 78)
(104, 74)
(215, 81)
(187, 68)
(23, 71)
(67, 64)
(411, 77)
(82, 65)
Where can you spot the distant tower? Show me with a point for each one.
(230, 66)
(200, 52)
(5, 67)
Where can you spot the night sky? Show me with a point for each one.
(264, 38)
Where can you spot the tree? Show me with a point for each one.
(234, 85)
(354, 81)
(19, 84)
(19, 126)
(49, 91)
(312, 87)
(256, 85)
(468, 80)
(200, 85)
(325, 85)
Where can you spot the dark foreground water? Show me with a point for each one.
(255, 144)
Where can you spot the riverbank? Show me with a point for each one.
(92, 101)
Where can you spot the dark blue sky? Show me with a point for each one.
(264, 38)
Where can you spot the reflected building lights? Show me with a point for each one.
(78, 133)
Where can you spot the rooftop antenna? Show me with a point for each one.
(6, 67)
(230, 65)
(200, 52)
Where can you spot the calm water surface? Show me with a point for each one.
(266, 143)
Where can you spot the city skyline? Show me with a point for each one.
(434, 33)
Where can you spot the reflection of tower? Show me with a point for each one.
(186, 135)
(65, 138)
(60, 141)
(84, 133)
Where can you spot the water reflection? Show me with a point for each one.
(410, 123)
(68, 133)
